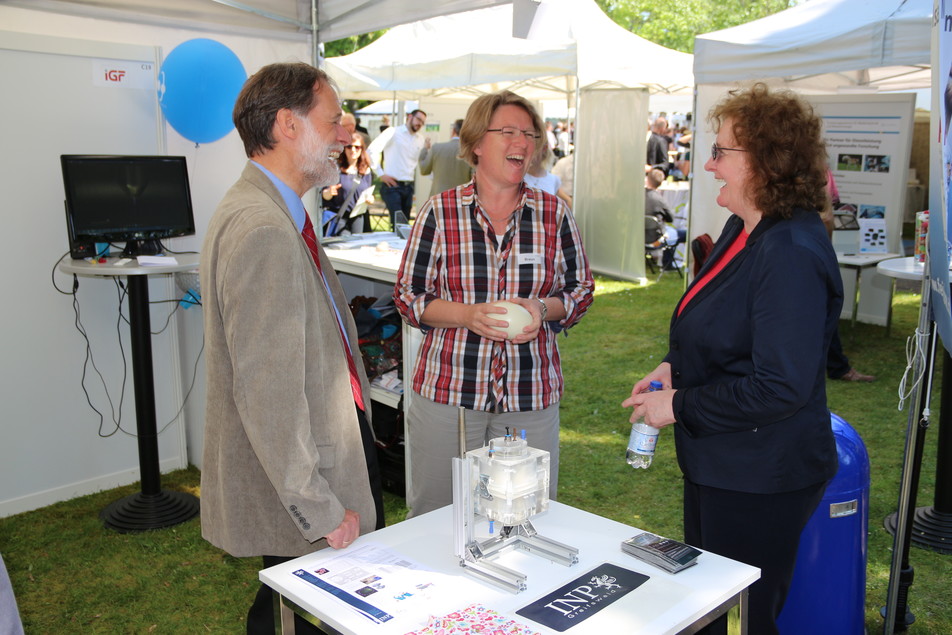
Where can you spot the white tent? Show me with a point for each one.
(573, 52)
(470, 53)
(825, 45)
(818, 47)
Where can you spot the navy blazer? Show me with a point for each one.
(748, 359)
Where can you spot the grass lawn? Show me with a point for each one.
(71, 575)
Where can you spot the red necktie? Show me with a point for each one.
(498, 362)
(310, 239)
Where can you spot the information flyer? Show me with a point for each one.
(393, 594)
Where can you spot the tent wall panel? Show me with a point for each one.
(611, 145)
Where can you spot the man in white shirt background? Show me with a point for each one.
(394, 155)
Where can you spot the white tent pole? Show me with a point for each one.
(694, 163)
(578, 101)
(315, 42)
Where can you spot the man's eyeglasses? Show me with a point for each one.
(510, 132)
(717, 151)
(353, 147)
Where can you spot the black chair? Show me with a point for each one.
(654, 232)
(701, 248)
(657, 246)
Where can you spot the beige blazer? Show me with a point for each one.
(283, 455)
(448, 169)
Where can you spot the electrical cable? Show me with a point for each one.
(188, 393)
(53, 277)
(89, 360)
(164, 248)
(122, 354)
(168, 319)
(915, 350)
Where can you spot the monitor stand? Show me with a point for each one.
(142, 248)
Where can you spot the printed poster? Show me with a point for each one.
(937, 259)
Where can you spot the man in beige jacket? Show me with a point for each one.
(289, 462)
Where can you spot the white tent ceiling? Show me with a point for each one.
(825, 45)
(289, 18)
(470, 53)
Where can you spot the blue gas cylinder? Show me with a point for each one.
(828, 591)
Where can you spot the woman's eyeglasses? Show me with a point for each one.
(353, 147)
(717, 151)
(510, 132)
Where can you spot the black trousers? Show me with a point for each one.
(373, 467)
(261, 613)
(398, 198)
(837, 363)
(762, 530)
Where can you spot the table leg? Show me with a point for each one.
(892, 294)
(284, 615)
(739, 600)
(153, 507)
(859, 281)
(743, 610)
(288, 609)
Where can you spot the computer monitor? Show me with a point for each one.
(138, 200)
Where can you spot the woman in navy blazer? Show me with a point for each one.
(744, 377)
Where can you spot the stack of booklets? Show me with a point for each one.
(665, 553)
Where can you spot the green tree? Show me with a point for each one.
(674, 23)
(348, 45)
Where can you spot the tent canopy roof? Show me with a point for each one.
(278, 18)
(884, 43)
(471, 53)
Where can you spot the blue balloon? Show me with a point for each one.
(198, 84)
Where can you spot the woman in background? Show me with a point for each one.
(355, 186)
(744, 377)
(538, 176)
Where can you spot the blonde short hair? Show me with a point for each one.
(481, 112)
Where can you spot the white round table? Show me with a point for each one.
(899, 269)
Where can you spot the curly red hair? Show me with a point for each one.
(786, 154)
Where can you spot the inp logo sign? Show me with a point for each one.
(583, 597)
(114, 75)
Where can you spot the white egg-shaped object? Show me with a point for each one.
(517, 316)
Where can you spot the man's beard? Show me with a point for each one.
(316, 166)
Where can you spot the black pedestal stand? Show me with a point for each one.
(932, 526)
(152, 508)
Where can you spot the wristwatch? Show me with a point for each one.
(545, 309)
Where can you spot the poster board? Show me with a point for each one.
(940, 172)
(868, 142)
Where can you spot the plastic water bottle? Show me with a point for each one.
(641, 443)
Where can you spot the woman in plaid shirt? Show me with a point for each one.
(493, 239)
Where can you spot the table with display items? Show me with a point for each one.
(152, 507)
(665, 603)
(908, 268)
(857, 263)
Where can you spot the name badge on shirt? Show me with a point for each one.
(529, 259)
